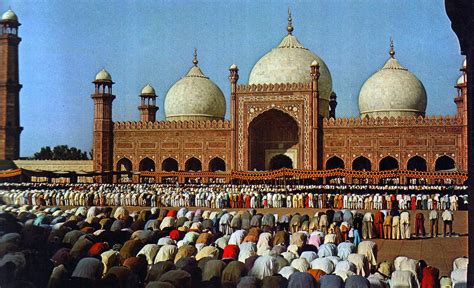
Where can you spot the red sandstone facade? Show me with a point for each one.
(268, 121)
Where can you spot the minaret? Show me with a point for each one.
(233, 78)
(103, 127)
(332, 105)
(148, 106)
(317, 128)
(9, 87)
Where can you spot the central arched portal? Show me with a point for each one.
(273, 133)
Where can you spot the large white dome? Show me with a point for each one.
(290, 62)
(195, 97)
(391, 92)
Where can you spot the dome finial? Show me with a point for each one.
(392, 51)
(290, 23)
(195, 59)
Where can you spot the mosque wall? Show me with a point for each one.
(181, 141)
(401, 138)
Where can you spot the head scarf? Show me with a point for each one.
(309, 255)
(185, 251)
(179, 278)
(231, 252)
(137, 265)
(149, 251)
(316, 273)
(88, 268)
(60, 256)
(264, 266)
(276, 281)
(158, 269)
(166, 252)
(208, 251)
(331, 281)
(212, 268)
(248, 282)
(300, 264)
(130, 248)
(110, 259)
(323, 264)
(357, 281)
(301, 280)
(233, 272)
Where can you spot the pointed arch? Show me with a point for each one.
(169, 165)
(124, 165)
(444, 163)
(417, 163)
(388, 163)
(334, 162)
(193, 164)
(361, 163)
(216, 164)
(146, 164)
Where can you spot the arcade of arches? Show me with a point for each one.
(274, 132)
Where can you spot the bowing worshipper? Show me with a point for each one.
(301, 280)
(369, 250)
(232, 274)
(420, 225)
(430, 277)
(331, 281)
(378, 224)
(405, 225)
(447, 217)
(379, 279)
(323, 222)
(264, 266)
(357, 281)
(400, 279)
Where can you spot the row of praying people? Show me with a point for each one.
(183, 248)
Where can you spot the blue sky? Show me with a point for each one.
(65, 43)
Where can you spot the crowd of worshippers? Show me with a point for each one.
(226, 196)
(157, 247)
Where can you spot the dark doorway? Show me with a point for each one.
(417, 163)
(280, 161)
(169, 164)
(147, 165)
(444, 163)
(193, 164)
(388, 163)
(334, 163)
(361, 163)
(216, 164)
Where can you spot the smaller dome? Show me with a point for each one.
(9, 15)
(233, 67)
(314, 63)
(103, 75)
(148, 89)
(464, 64)
(461, 80)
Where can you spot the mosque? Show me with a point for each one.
(285, 116)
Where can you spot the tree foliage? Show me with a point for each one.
(60, 152)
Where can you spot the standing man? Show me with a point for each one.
(433, 216)
(447, 217)
(405, 225)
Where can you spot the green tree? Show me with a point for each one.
(60, 152)
(45, 153)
